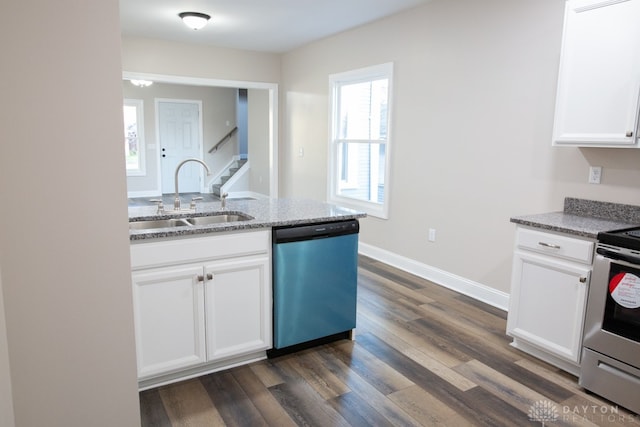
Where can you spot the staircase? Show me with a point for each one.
(216, 188)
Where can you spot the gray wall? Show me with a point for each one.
(64, 248)
(7, 417)
(475, 86)
(142, 55)
(258, 134)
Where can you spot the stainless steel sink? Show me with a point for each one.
(158, 223)
(216, 218)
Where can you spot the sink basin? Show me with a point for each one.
(158, 223)
(217, 218)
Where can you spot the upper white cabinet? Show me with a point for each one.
(597, 102)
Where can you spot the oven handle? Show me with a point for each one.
(615, 255)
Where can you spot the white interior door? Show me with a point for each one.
(179, 137)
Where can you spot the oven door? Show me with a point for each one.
(612, 324)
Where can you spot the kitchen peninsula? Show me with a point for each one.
(203, 294)
(265, 213)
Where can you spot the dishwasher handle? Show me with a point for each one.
(315, 231)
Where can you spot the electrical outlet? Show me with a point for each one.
(595, 174)
(432, 235)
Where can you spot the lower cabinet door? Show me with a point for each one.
(238, 301)
(547, 304)
(169, 319)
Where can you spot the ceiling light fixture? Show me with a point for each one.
(141, 83)
(194, 20)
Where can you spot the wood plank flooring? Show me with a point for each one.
(423, 355)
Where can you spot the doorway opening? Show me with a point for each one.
(264, 158)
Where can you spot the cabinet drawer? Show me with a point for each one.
(196, 249)
(569, 248)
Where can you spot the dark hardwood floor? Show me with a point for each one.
(423, 355)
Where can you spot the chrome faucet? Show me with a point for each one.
(223, 201)
(176, 201)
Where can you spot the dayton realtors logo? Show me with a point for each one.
(545, 411)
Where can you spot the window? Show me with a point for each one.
(359, 140)
(134, 137)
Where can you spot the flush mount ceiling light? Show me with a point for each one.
(141, 83)
(194, 20)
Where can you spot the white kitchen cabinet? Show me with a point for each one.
(549, 288)
(598, 93)
(238, 301)
(169, 319)
(201, 304)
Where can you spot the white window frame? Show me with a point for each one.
(141, 170)
(379, 210)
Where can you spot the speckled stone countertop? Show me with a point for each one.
(584, 218)
(266, 213)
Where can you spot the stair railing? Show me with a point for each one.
(223, 140)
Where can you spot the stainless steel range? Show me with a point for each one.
(611, 355)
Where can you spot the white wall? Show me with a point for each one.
(64, 248)
(474, 99)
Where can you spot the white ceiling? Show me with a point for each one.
(262, 25)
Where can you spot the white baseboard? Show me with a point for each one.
(460, 284)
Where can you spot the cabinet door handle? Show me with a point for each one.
(200, 278)
(549, 245)
(629, 134)
(209, 276)
(583, 280)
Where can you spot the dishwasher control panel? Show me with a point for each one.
(315, 231)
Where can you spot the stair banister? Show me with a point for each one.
(222, 140)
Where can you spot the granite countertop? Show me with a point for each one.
(266, 213)
(584, 218)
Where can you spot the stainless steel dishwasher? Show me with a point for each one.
(314, 284)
